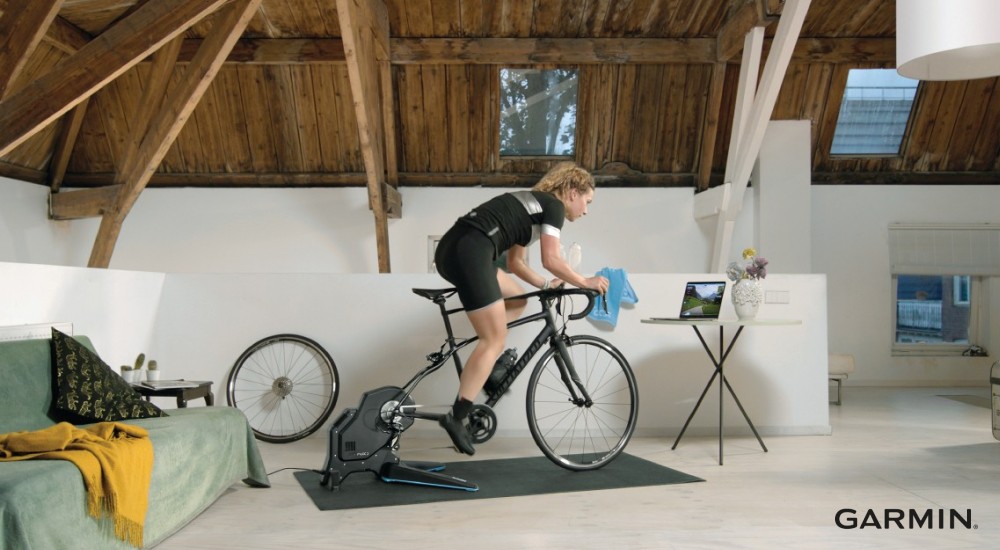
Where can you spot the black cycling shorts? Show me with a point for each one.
(464, 257)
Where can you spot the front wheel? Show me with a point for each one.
(580, 435)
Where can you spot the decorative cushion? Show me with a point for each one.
(87, 388)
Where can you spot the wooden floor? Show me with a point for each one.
(891, 449)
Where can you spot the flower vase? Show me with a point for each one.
(747, 297)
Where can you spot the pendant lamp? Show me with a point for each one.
(948, 39)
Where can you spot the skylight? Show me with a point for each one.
(873, 113)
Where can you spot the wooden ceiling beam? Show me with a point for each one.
(365, 31)
(276, 51)
(63, 148)
(710, 126)
(35, 105)
(163, 129)
(83, 203)
(557, 51)
(744, 15)
(524, 51)
(22, 26)
(66, 37)
(881, 51)
(358, 179)
(152, 99)
(22, 173)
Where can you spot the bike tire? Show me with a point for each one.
(573, 435)
(287, 385)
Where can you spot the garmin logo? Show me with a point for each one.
(897, 518)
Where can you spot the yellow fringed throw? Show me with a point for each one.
(116, 461)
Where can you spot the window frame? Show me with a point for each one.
(976, 295)
(505, 157)
(902, 139)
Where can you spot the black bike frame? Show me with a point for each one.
(549, 333)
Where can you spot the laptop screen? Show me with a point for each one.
(702, 300)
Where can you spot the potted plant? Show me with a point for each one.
(152, 371)
(137, 368)
(128, 374)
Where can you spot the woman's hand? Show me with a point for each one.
(599, 284)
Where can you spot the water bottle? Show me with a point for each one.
(500, 368)
(575, 256)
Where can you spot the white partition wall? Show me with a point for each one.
(379, 332)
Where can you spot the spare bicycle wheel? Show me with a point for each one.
(286, 385)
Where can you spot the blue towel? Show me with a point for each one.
(619, 291)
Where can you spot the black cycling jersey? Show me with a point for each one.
(466, 253)
(517, 218)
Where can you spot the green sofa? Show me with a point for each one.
(198, 453)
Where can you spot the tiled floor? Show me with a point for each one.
(891, 449)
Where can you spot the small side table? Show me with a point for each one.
(718, 362)
(183, 394)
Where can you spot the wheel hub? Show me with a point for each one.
(282, 386)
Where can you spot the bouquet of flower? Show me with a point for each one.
(753, 266)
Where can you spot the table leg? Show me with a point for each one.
(698, 404)
(722, 378)
(719, 364)
(746, 416)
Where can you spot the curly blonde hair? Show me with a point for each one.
(563, 177)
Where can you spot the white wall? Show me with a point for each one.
(851, 245)
(117, 309)
(27, 235)
(332, 230)
(379, 332)
(783, 194)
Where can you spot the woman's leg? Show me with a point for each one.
(510, 287)
(490, 324)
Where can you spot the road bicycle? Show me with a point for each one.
(582, 401)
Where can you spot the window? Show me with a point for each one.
(873, 113)
(538, 112)
(939, 273)
(928, 313)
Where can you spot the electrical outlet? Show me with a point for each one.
(776, 296)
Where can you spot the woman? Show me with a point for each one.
(465, 257)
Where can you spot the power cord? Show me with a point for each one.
(313, 470)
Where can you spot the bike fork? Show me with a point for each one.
(569, 375)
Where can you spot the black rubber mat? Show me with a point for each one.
(494, 478)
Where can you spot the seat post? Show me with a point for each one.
(440, 300)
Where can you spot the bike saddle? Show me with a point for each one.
(434, 293)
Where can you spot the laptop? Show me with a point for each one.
(702, 301)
